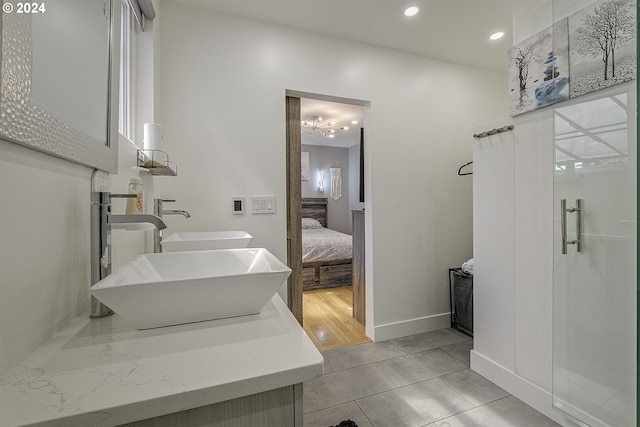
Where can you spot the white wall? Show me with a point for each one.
(321, 159)
(44, 247)
(223, 106)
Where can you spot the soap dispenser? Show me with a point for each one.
(135, 205)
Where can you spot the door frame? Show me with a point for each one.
(294, 201)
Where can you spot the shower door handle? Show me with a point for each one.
(563, 225)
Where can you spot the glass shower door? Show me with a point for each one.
(594, 325)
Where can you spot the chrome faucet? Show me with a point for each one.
(160, 212)
(138, 218)
(101, 220)
(176, 212)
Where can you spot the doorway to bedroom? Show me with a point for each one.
(329, 181)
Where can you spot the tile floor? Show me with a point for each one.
(420, 380)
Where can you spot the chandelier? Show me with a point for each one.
(325, 129)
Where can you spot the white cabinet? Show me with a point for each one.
(513, 257)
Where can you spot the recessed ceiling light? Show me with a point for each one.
(412, 10)
(496, 36)
(354, 122)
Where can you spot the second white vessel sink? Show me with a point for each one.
(205, 240)
(156, 290)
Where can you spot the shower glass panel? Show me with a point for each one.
(594, 299)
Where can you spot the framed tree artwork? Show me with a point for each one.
(538, 70)
(602, 46)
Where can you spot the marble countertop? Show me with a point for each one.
(105, 372)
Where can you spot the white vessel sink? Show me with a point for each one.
(205, 240)
(166, 289)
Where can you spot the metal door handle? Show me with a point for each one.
(563, 225)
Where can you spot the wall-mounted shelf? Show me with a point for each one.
(157, 161)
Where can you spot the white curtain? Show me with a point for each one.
(304, 165)
(336, 183)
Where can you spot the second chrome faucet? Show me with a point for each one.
(158, 210)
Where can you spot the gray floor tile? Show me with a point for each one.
(415, 405)
(430, 340)
(474, 387)
(332, 416)
(327, 368)
(344, 386)
(506, 412)
(361, 354)
(460, 334)
(460, 351)
(421, 366)
(421, 380)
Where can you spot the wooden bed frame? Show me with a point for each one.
(323, 274)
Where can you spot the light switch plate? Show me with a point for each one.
(263, 205)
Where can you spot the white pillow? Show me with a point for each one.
(310, 223)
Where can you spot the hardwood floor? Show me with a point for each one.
(328, 318)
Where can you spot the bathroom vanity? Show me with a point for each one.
(239, 371)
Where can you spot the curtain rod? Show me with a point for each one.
(493, 131)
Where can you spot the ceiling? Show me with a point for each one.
(341, 115)
(449, 30)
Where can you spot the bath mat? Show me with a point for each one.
(346, 423)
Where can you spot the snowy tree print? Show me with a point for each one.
(602, 46)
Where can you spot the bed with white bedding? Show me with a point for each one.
(326, 253)
(323, 244)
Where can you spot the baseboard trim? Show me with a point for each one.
(531, 394)
(411, 327)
